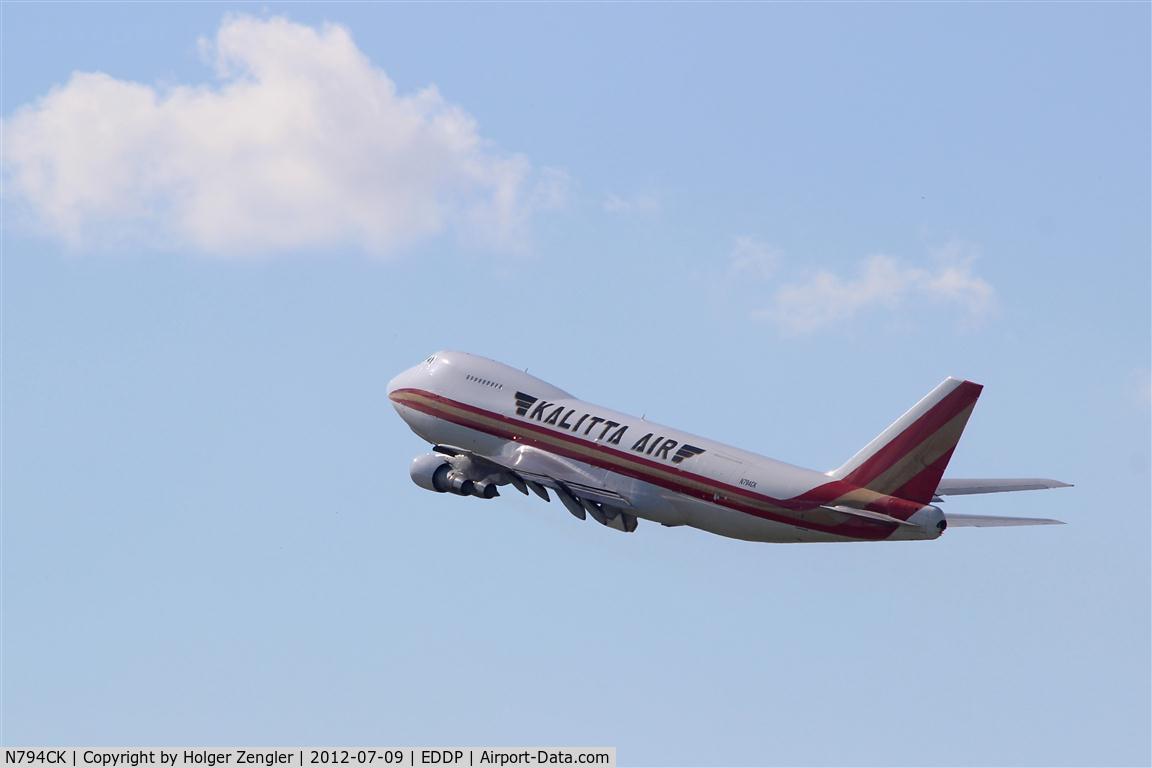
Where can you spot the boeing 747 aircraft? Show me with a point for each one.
(491, 425)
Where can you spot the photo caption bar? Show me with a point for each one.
(309, 757)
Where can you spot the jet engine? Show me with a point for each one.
(435, 472)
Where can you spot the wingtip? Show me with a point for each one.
(1049, 484)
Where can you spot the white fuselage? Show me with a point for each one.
(670, 477)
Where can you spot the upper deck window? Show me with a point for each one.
(485, 382)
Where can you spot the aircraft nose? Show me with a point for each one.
(396, 382)
(402, 380)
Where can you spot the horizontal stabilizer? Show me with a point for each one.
(962, 487)
(987, 521)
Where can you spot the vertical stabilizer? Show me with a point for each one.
(908, 459)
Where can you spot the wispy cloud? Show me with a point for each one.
(301, 143)
(824, 299)
(753, 258)
(640, 204)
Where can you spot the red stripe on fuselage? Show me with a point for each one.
(619, 461)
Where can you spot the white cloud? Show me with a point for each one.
(825, 299)
(638, 204)
(301, 144)
(753, 258)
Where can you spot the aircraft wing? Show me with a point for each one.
(988, 521)
(963, 487)
(535, 470)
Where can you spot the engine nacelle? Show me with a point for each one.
(485, 489)
(430, 472)
(435, 472)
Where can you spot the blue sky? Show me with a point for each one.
(218, 251)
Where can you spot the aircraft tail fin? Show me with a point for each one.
(909, 457)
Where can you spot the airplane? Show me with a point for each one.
(491, 425)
